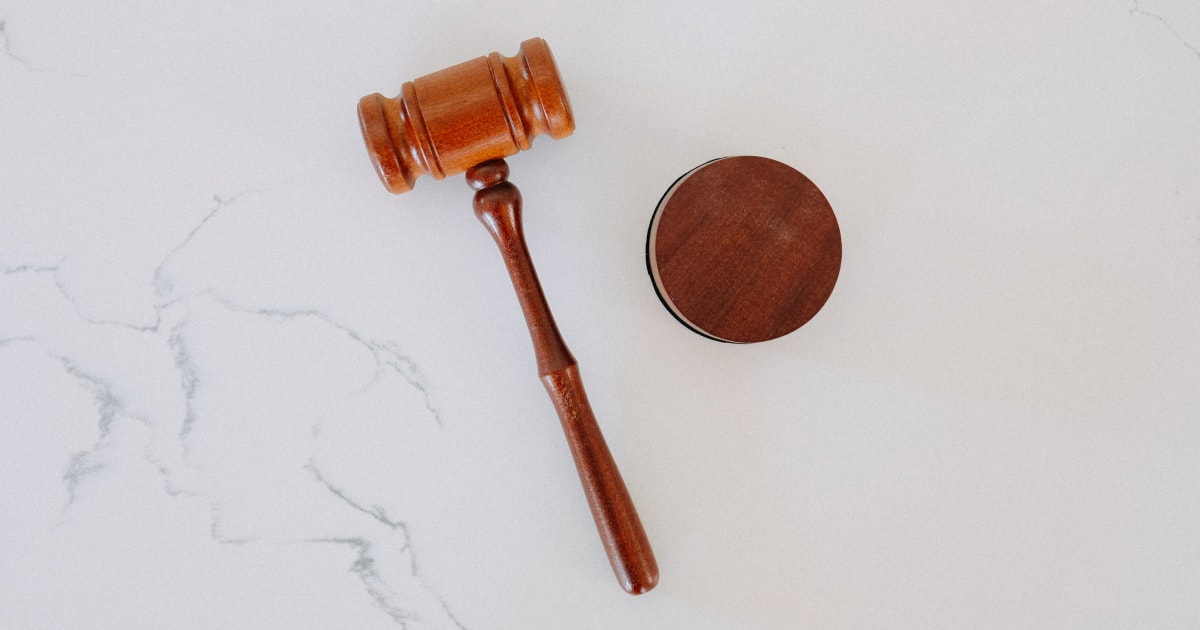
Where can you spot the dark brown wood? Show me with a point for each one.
(744, 249)
(498, 206)
(446, 122)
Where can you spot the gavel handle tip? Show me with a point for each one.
(617, 520)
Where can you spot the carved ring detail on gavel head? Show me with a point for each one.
(446, 122)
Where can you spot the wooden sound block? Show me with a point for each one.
(744, 249)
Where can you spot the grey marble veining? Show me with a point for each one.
(1190, 45)
(243, 387)
(391, 579)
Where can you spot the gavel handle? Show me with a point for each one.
(498, 206)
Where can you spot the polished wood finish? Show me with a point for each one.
(466, 118)
(744, 249)
(498, 206)
(446, 122)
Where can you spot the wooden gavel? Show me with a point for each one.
(467, 118)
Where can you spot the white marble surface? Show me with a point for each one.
(241, 386)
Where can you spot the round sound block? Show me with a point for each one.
(744, 249)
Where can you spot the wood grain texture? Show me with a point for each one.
(498, 206)
(744, 249)
(444, 123)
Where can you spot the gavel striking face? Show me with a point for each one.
(467, 118)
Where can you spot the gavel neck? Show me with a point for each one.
(498, 206)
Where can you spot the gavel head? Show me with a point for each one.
(446, 122)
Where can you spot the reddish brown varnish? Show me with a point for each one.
(465, 119)
(446, 122)
(498, 206)
(744, 249)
